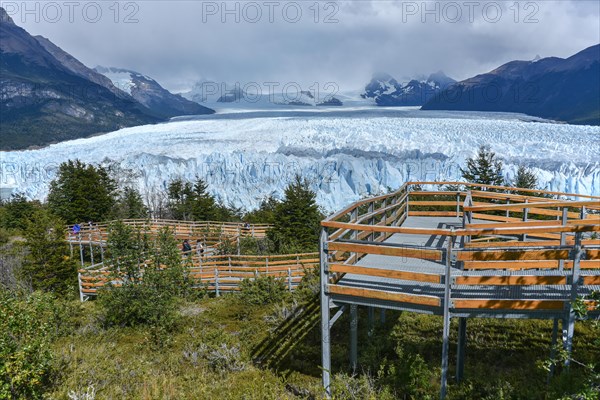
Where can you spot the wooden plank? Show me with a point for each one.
(385, 273)
(519, 265)
(511, 224)
(384, 295)
(433, 203)
(511, 280)
(531, 205)
(433, 213)
(387, 250)
(507, 188)
(501, 255)
(509, 304)
(592, 254)
(436, 193)
(591, 280)
(514, 243)
(390, 229)
(494, 217)
(529, 230)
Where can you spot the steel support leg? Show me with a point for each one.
(353, 336)
(574, 284)
(325, 333)
(382, 316)
(446, 330)
(371, 313)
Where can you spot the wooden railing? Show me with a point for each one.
(501, 239)
(207, 231)
(218, 273)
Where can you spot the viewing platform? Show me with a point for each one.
(461, 251)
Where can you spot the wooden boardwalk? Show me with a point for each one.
(475, 251)
(214, 272)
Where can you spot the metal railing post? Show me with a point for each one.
(325, 311)
(525, 217)
(577, 252)
(446, 329)
(80, 286)
(217, 293)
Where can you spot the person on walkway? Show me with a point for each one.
(185, 247)
(199, 248)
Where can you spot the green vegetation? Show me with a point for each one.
(190, 201)
(160, 338)
(486, 168)
(296, 219)
(47, 264)
(82, 192)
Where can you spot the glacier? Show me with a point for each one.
(347, 154)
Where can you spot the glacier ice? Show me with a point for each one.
(346, 154)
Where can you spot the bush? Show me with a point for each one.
(28, 326)
(263, 290)
(137, 304)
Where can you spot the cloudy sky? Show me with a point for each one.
(305, 41)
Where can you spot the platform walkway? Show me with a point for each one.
(460, 251)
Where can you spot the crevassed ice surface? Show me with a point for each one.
(345, 153)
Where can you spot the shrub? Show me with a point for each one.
(137, 304)
(263, 290)
(28, 325)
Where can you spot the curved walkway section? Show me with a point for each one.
(461, 250)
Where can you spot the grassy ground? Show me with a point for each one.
(213, 354)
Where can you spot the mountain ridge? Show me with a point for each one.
(563, 89)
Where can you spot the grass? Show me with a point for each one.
(210, 356)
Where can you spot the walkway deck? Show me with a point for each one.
(459, 292)
(471, 251)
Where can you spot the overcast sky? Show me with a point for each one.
(180, 42)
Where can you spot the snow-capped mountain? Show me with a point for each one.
(346, 154)
(219, 95)
(552, 87)
(151, 94)
(47, 96)
(386, 91)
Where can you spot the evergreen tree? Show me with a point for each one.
(127, 249)
(191, 201)
(82, 192)
(525, 178)
(203, 205)
(265, 214)
(47, 265)
(130, 205)
(17, 211)
(297, 219)
(486, 168)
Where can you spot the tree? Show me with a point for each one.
(47, 265)
(130, 205)
(297, 219)
(525, 179)
(82, 192)
(485, 169)
(265, 213)
(191, 201)
(17, 211)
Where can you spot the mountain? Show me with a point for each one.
(78, 68)
(151, 94)
(217, 94)
(43, 101)
(386, 91)
(554, 88)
